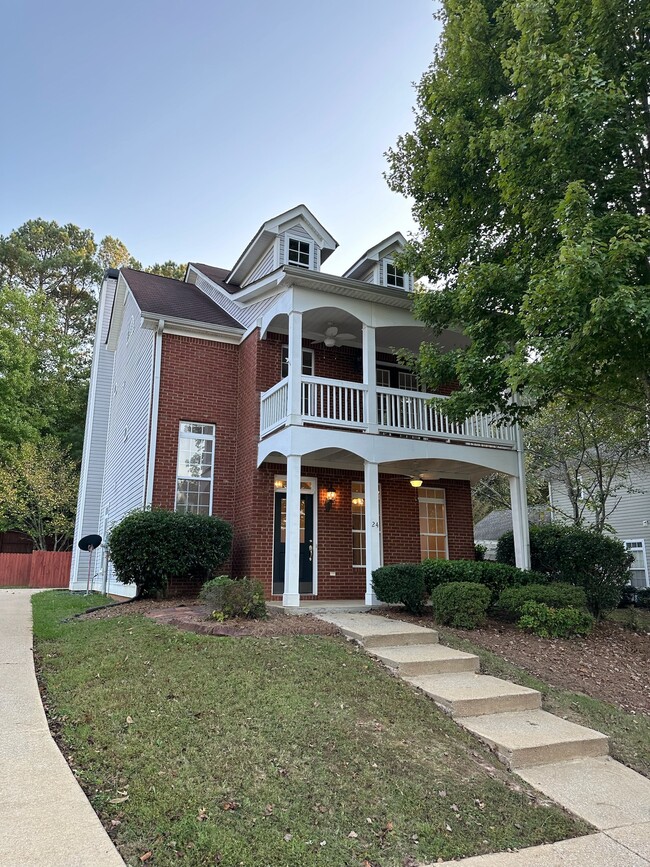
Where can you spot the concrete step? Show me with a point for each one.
(467, 694)
(601, 791)
(373, 631)
(415, 660)
(527, 738)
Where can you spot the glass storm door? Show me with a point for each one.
(306, 577)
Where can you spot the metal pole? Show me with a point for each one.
(90, 561)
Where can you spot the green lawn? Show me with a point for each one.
(629, 733)
(299, 751)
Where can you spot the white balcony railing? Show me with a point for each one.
(406, 413)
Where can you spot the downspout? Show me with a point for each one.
(153, 422)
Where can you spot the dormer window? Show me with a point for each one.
(299, 253)
(394, 276)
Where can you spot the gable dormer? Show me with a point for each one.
(294, 237)
(377, 265)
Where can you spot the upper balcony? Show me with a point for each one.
(397, 412)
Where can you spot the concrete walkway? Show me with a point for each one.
(45, 818)
(567, 762)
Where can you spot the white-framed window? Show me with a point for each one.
(383, 377)
(307, 362)
(639, 568)
(407, 381)
(358, 506)
(299, 252)
(433, 524)
(394, 276)
(195, 468)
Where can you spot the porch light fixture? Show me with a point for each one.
(416, 483)
(357, 501)
(330, 496)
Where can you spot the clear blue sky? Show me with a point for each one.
(179, 127)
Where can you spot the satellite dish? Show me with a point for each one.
(89, 543)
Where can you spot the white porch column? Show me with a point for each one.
(519, 505)
(373, 541)
(369, 352)
(295, 369)
(291, 596)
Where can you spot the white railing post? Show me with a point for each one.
(519, 504)
(370, 378)
(295, 368)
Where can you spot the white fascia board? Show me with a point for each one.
(374, 253)
(117, 313)
(191, 328)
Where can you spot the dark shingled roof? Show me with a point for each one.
(498, 522)
(217, 275)
(167, 297)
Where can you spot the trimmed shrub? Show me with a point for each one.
(403, 582)
(557, 595)
(479, 552)
(234, 597)
(597, 563)
(461, 603)
(496, 576)
(151, 548)
(554, 622)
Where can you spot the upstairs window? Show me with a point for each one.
(307, 362)
(394, 276)
(195, 468)
(299, 253)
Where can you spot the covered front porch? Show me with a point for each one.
(341, 512)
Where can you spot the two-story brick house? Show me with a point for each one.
(269, 394)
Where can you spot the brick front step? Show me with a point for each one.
(420, 659)
(535, 737)
(466, 694)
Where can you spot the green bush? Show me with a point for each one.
(461, 603)
(152, 548)
(229, 597)
(554, 622)
(403, 582)
(557, 595)
(643, 598)
(597, 563)
(479, 552)
(496, 576)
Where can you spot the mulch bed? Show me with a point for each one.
(188, 615)
(612, 664)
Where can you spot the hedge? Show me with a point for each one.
(401, 583)
(556, 595)
(495, 576)
(599, 564)
(229, 597)
(549, 622)
(462, 604)
(152, 548)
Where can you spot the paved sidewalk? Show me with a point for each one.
(45, 818)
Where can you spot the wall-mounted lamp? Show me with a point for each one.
(330, 496)
(416, 483)
(280, 483)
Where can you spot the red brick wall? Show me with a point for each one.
(220, 384)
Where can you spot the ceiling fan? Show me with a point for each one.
(332, 336)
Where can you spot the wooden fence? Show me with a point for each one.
(38, 569)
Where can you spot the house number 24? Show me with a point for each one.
(375, 523)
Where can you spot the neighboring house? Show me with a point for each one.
(489, 529)
(628, 515)
(269, 394)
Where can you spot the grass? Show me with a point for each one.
(629, 733)
(637, 619)
(297, 752)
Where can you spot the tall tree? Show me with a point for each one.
(168, 269)
(530, 173)
(112, 253)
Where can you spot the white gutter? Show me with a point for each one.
(153, 420)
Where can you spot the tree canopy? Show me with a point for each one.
(530, 175)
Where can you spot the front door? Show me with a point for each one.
(306, 577)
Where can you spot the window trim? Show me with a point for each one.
(363, 532)
(195, 436)
(285, 354)
(443, 499)
(299, 240)
(399, 273)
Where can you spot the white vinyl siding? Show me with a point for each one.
(128, 434)
(95, 436)
(244, 314)
(263, 267)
